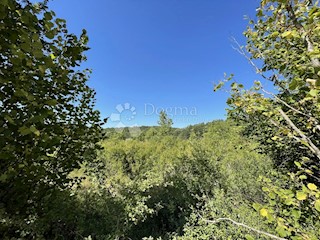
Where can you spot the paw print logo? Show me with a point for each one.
(124, 115)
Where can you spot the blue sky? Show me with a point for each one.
(160, 54)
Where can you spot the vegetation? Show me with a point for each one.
(48, 126)
(253, 176)
(285, 37)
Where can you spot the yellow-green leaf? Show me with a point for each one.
(301, 196)
(263, 212)
(286, 34)
(35, 131)
(313, 92)
(317, 205)
(312, 186)
(24, 130)
(249, 237)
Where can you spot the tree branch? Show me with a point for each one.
(274, 78)
(243, 225)
(315, 61)
(317, 126)
(311, 145)
(258, 70)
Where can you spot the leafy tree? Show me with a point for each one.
(48, 126)
(285, 38)
(164, 122)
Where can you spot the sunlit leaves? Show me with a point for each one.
(48, 124)
(312, 186)
(264, 212)
(317, 205)
(301, 196)
(284, 38)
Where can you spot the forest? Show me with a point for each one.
(64, 175)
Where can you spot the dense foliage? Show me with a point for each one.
(253, 176)
(285, 38)
(158, 185)
(48, 126)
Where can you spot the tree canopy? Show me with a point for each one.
(48, 125)
(285, 38)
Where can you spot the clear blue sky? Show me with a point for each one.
(160, 54)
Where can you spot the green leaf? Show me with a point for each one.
(303, 177)
(317, 205)
(287, 34)
(297, 164)
(9, 119)
(282, 231)
(3, 177)
(296, 213)
(218, 86)
(42, 68)
(293, 84)
(275, 34)
(25, 130)
(234, 85)
(51, 102)
(47, 16)
(50, 34)
(249, 237)
(313, 92)
(272, 195)
(20, 93)
(312, 186)
(264, 212)
(301, 196)
(256, 206)
(34, 130)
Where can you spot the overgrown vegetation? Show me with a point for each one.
(253, 176)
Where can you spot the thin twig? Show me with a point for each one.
(241, 52)
(273, 78)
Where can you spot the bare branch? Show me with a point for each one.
(240, 51)
(298, 140)
(303, 137)
(243, 225)
(258, 70)
(294, 109)
(273, 78)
